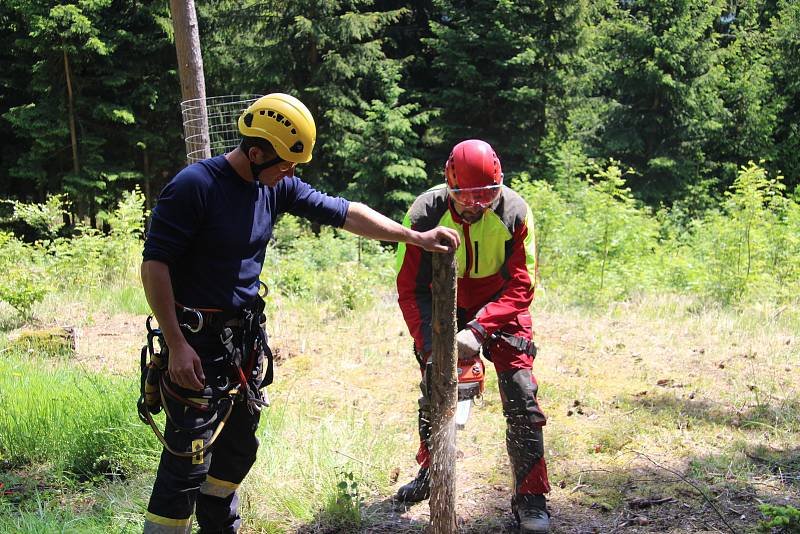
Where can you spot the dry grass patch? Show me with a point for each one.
(664, 416)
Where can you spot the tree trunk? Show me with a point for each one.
(444, 396)
(148, 195)
(76, 168)
(84, 201)
(193, 85)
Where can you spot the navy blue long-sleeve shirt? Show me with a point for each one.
(211, 227)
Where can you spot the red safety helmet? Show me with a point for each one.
(473, 173)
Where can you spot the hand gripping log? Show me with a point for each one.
(444, 396)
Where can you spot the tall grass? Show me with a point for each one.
(82, 424)
(307, 451)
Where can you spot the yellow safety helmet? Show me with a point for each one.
(285, 122)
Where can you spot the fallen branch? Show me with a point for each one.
(692, 484)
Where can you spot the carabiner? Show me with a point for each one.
(190, 328)
(149, 325)
(262, 287)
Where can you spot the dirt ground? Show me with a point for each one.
(621, 366)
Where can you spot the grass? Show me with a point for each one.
(694, 389)
(326, 426)
(82, 424)
(646, 399)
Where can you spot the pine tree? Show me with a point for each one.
(95, 113)
(503, 75)
(380, 151)
(785, 36)
(662, 87)
(747, 90)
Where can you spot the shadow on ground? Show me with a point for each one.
(775, 412)
(643, 497)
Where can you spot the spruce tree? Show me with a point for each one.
(503, 74)
(662, 87)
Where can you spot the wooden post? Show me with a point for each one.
(444, 396)
(190, 69)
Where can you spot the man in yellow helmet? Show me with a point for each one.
(202, 259)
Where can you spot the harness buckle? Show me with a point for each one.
(190, 328)
(518, 342)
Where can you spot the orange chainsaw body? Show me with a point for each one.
(471, 372)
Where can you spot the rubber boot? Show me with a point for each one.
(531, 513)
(418, 489)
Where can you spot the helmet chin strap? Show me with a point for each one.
(256, 168)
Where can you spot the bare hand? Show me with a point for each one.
(440, 239)
(185, 369)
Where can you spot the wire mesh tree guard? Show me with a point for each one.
(210, 124)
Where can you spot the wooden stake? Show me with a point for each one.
(444, 396)
(190, 69)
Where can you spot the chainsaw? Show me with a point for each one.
(470, 387)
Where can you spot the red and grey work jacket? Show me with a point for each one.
(496, 264)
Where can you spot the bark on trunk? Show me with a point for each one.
(444, 396)
(73, 136)
(190, 69)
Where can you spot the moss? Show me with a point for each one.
(46, 343)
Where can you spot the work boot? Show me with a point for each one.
(531, 513)
(418, 489)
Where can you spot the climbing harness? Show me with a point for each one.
(243, 372)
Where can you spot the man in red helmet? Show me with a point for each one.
(496, 279)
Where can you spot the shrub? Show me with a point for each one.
(747, 250)
(90, 258)
(595, 242)
(785, 518)
(23, 282)
(334, 267)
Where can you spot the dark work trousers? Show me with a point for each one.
(209, 482)
(524, 417)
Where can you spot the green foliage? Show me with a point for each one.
(91, 258)
(784, 518)
(746, 250)
(343, 510)
(87, 260)
(81, 423)
(381, 153)
(503, 72)
(91, 112)
(339, 269)
(784, 37)
(22, 283)
(660, 80)
(683, 92)
(594, 240)
(596, 243)
(45, 219)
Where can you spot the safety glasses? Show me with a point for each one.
(475, 196)
(283, 165)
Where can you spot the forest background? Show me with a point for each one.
(680, 93)
(657, 142)
(678, 121)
